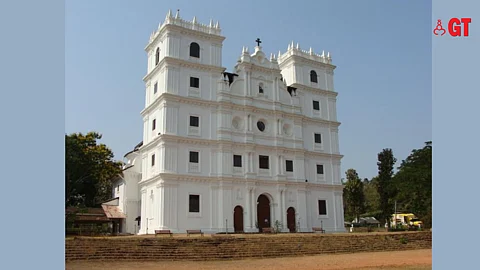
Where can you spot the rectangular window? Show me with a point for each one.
(289, 165)
(322, 207)
(319, 169)
(318, 138)
(237, 161)
(153, 160)
(194, 82)
(263, 162)
(193, 157)
(194, 204)
(194, 121)
(155, 88)
(316, 105)
(154, 124)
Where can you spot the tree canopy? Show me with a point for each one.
(353, 194)
(413, 182)
(385, 188)
(410, 187)
(89, 169)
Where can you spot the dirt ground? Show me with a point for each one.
(398, 260)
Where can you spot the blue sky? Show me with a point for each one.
(382, 50)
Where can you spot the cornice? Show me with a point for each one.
(176, 29)
(219, 144)
(283, 106)
(168, 60)
(168, 97)
(253, 67)
(188, 64)
(301, 59)
(230, 181)
(314, 90)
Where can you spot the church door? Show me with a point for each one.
(238, 219)
(291, 219)
(263, 212)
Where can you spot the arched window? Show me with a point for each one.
(313, 76)
(260, 88)
(157, 56)
(194, 50)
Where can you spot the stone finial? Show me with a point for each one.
(279, 54)
(323, 53)
(328, 55)
(246, 49)
(169, 15)
(217, 25)
(177, 15)
(271, 57)
(211, 23)
(311, 51)
(293, 45)
(298, 46)
(194, 21)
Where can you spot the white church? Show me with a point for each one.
(232, 151)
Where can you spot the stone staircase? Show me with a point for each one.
(151, 248)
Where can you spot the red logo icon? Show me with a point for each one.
(439, 28)
(454, 27)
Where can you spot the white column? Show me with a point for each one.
(284, 211)
(254, 208)
(143, 214)
(251, 154)
(247, 222)
(307, 211)
(279, 165)
(282, 164)
(249, 122)
(279, 210)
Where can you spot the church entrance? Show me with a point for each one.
(263, 212)
(238, 219)
(291, 219)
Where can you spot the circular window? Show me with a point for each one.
(261, 126)
(237, 123)
(287, 129)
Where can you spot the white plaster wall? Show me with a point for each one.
(217, 203)
(164, 199)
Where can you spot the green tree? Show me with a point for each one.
(385, 186)
(372, 199)
(414, 183)
(89, 168)
(353, 194)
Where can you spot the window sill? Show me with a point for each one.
(264, 171)
(194, 92)
(194, 131)
(194, 59)
(194, 215)
(194, 167)
(318, 147)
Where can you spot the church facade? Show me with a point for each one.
(232, 151)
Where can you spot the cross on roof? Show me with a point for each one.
(258, 41)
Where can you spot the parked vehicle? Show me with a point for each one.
(406, 219)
